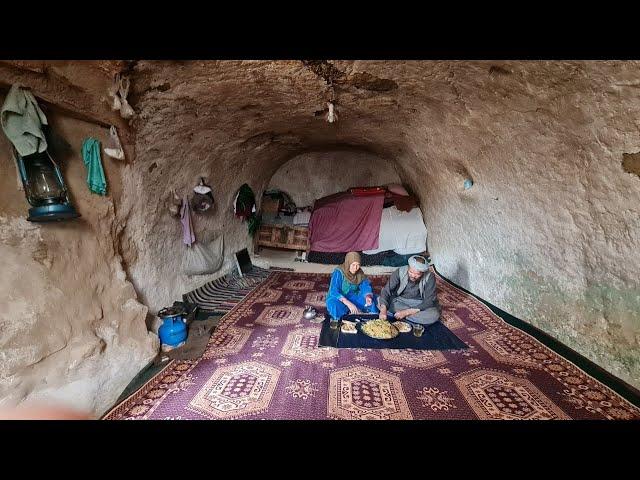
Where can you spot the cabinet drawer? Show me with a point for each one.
(264, 234)
(283, 236)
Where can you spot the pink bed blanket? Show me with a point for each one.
(345, 223)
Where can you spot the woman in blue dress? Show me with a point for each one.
(350, 291)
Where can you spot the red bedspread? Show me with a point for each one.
(345, 223)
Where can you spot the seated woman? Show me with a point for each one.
(350, 291)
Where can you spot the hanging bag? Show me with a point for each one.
(113, 93)
(204, 258)
(125, 110)
(202, 199)
(116, 152)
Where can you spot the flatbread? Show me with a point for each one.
(403, 327)
(348, 327)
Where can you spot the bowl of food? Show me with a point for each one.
(403, 327)
(348, 327)
(380, 329)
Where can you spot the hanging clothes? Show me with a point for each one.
(188, 236)
(95, 174)
(244, 204)
(22, 121)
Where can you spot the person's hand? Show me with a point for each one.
(402, 314)
(352, 308)
(382, 316)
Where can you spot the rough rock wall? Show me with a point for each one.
(71, 328)
(313, 175)
(551, 228)
(549, 231)
(229, 121)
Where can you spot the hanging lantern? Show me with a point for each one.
(44, 188)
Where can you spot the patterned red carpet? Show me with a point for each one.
(262, 362)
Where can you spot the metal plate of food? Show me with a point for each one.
(403, 327)
(380, 329)
(348, 327)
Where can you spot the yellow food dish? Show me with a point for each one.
(380, 329)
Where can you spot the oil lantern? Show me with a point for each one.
(44, 187)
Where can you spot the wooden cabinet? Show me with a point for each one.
(282, 236)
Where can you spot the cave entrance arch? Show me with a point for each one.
(307, 176)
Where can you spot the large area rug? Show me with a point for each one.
(263, 362)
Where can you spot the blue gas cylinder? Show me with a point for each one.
(173, 331)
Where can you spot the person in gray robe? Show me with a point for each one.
(410, 294)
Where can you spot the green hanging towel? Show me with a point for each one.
(22, 121)
(95, 174)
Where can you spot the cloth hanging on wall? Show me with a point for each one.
(188, 236)
(244, 204)
(95, 174)
(202, 259)
(22, 121)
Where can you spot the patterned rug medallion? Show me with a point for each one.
(263, 362)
